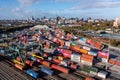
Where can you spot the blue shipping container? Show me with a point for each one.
(83, 39)
(33, 58)
(47, 71)
(32, 73)
(2, 51)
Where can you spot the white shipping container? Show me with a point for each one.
(64, 63)
(75, 57)
(87, 48)
(67, 44)
(102, 74)
(86, 62)
(104, 60)
(93, 73)
(62, 37)
(91, 53)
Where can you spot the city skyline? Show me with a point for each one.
(22, 9)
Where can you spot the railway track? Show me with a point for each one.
(10, 72)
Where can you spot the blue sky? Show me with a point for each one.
(22, 9)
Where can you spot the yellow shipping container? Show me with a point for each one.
(84, 51)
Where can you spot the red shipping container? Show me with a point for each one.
(67, 53)
(57, 61)
(30, 63)
(103, 55)
(18, 58)
(73, 66)
(112, 61)
(62, 69)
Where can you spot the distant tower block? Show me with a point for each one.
(116, 22)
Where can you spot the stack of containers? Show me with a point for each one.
(61, 42)
(87, 48)
(64, 63)
(93, 52)
(66, 53)
(91, 42)
(83, 51)
(67, 43)
(75, 48)
(82, 40)
(99, 45)
(75, 57)
(87, 59)
(93, 70)
(103, 56)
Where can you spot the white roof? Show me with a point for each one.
(40, 26)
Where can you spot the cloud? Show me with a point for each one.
(27, 2)
(1, 8)
(90, 4)
(23, 9)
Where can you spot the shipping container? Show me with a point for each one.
(32, 73)
(87, 56)
(85, 62)
(28, 62)
(75, 57)
(56, 61)
(83, 40)
(85, 69)
(112, 61)
(102, 74)
(60, 68)
(18, 58)
(39, 60)
(93, 52)
(67, 53)
(89, 78)
(21, 67)
(75, 48)
(46, 63)
(117, 62)
(87, 48)
(34, 58)
(103, 55)
(93, 70)
(64, 63)
(60, 58)
(83, 51)
(67, 44)
(104, 60)
(18, 62)
(73, 66)
(47, 71)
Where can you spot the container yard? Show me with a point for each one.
(53, 54)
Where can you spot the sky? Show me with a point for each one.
(23, 9)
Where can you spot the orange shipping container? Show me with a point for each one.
(86, 59)
(89, 78)
(87, 56)
(19, 66)
(56, 61)
(60, 68)
(112, 61)
(46, 63)
(30, 63)
(118, 63)
(84, 51)
(75, 48)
